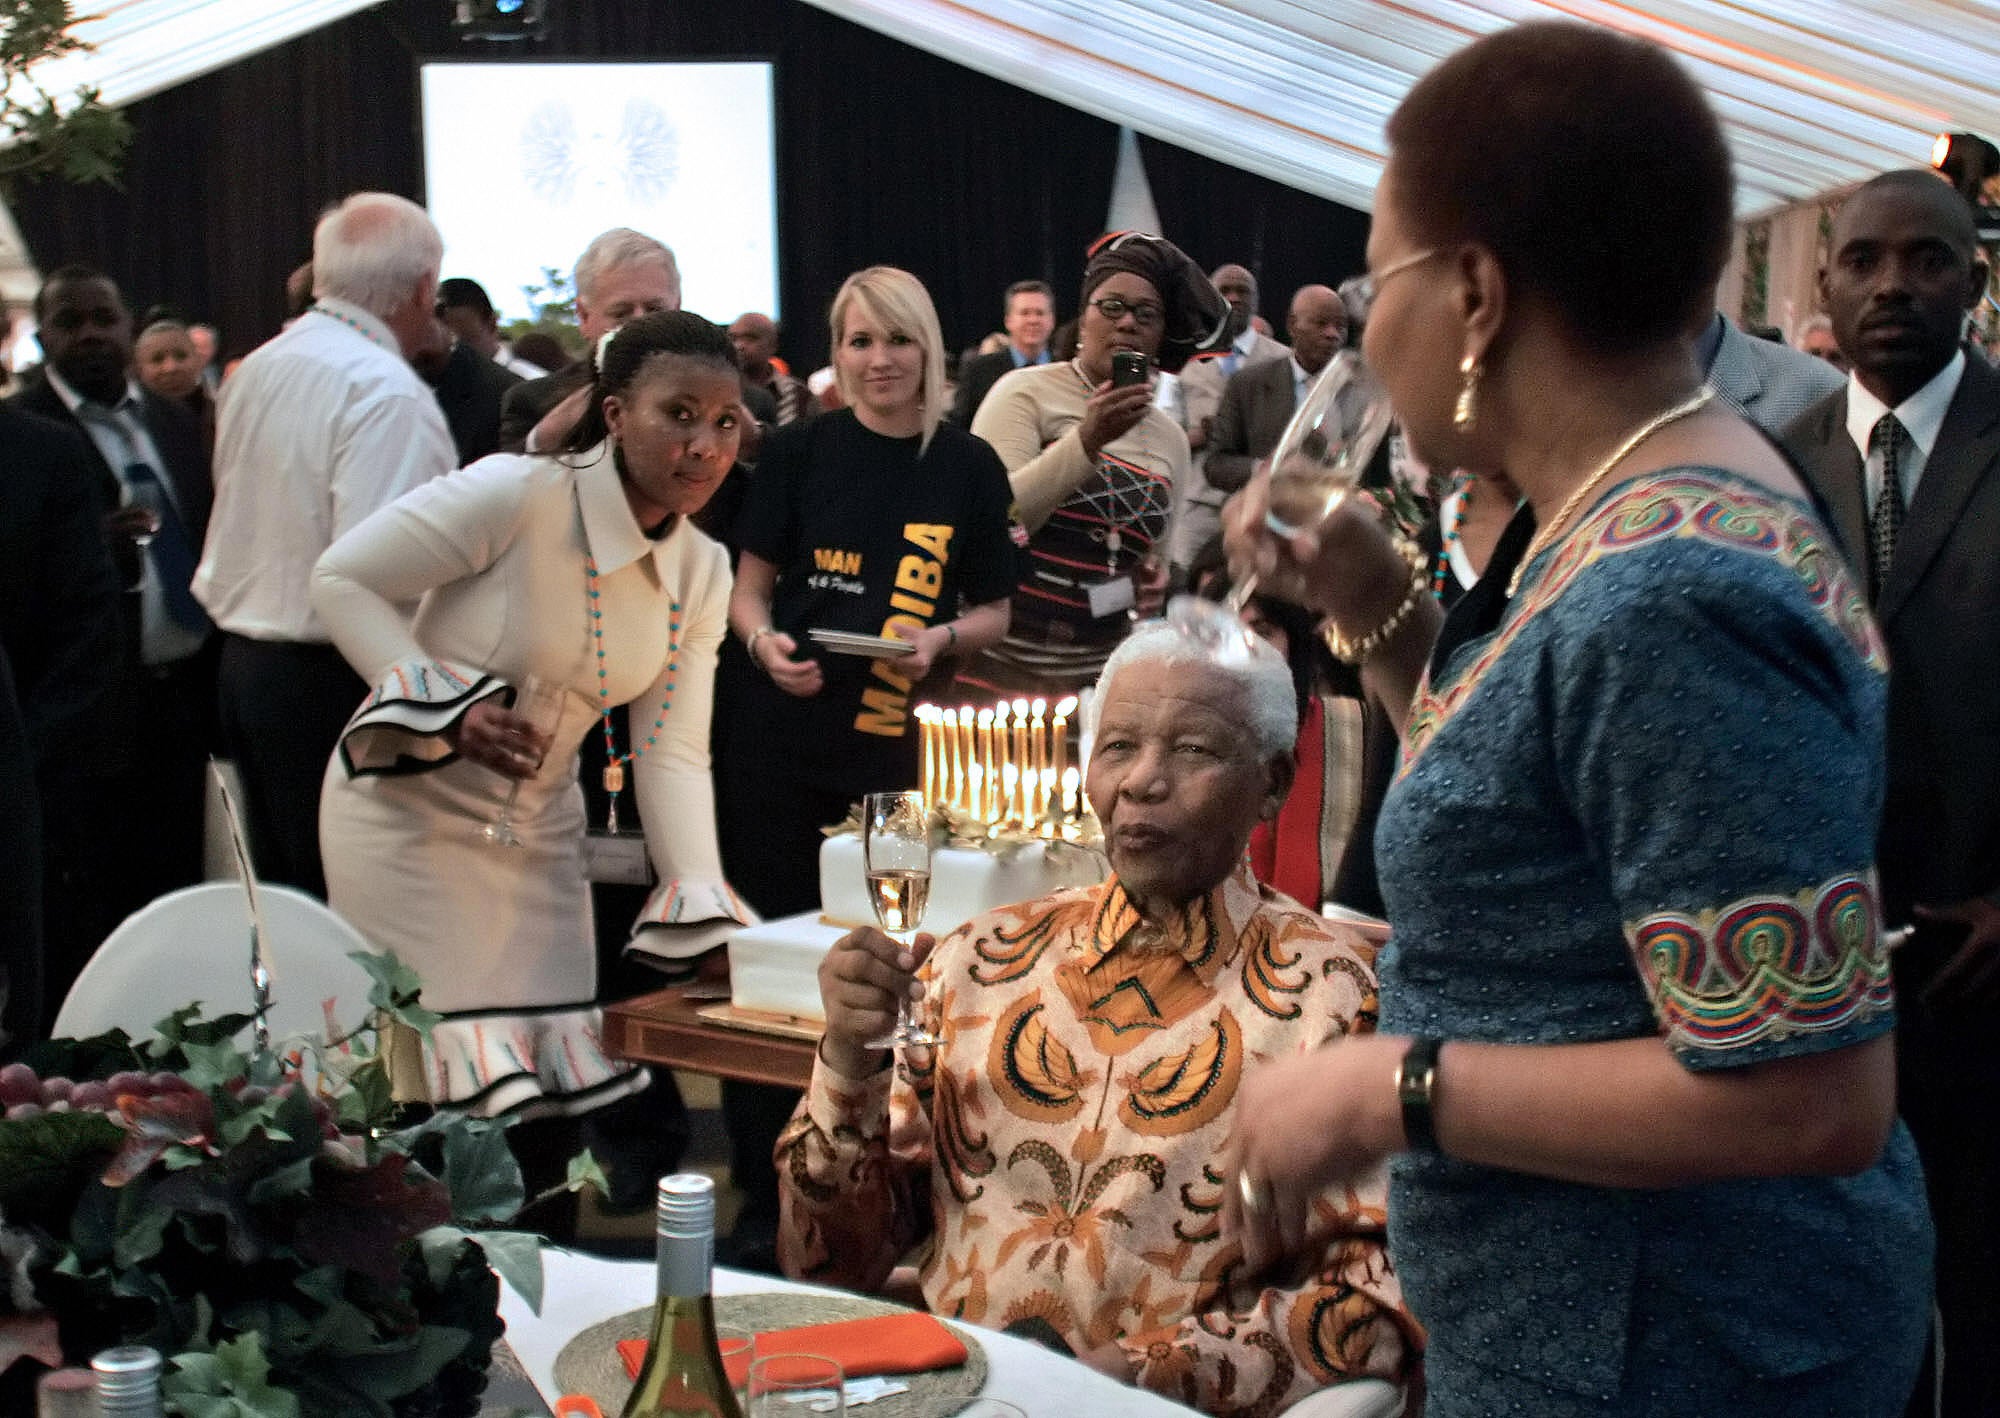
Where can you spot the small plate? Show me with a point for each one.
(876, 647)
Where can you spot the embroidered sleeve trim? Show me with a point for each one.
(1767, 967)
(403, 726)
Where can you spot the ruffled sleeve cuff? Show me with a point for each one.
(685, 917)
(403, 726)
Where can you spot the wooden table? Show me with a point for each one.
(665, 1028)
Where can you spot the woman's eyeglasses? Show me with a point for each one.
(1371, 283)
(1113, 309)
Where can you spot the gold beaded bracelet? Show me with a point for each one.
(1353, 652)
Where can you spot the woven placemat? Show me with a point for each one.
(590, 1364)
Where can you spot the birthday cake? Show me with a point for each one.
(1013, 828)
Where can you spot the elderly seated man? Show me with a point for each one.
(1058, 1148)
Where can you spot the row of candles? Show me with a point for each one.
(1005, 766)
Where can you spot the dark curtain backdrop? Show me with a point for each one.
(885, 154)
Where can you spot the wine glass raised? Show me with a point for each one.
(896, 850)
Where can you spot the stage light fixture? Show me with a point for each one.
(499, 19)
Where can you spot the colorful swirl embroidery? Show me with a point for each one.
(1765, 967)
(1687, 505)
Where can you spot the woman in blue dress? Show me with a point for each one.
(1634, 1076)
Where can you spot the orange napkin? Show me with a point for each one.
(881, 1344)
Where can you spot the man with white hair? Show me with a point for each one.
(621, 275)
(318, 428)
(1058, 1148)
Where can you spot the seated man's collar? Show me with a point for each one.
(1204, 931)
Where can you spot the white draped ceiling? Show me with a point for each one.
(1817, 94)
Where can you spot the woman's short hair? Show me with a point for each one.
(372, 250)
(1587, 161)
(1250, 661)
(629, 349)
(895, 300)
(618, 247)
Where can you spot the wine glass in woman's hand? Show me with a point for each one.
(1327, 445)
(540, 704)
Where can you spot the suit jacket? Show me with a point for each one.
(976, 379)
(176, 433)
(527, 403)
(469, 392)
(1256, 406)
(1940, 612)
(59, 597)
(1202, 382)
(1769, 383)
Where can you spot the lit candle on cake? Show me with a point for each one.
(966, 758)
(989, 801)
(1059, 736)
(1038, 761)
(1010, 783)
(1069, 782)
(927, 733)
(1018, 802)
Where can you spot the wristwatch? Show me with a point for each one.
(1416, 1091)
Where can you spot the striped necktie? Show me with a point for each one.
(1885, 519)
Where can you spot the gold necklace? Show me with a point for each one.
(1547, 536)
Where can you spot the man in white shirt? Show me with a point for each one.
(317, 429)
(1906, 461)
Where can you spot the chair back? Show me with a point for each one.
(194, 945)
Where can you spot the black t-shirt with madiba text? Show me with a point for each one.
(867, 536)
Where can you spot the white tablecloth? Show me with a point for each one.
(580, 1290)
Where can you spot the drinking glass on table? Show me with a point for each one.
(986, 1408)
(896, 848)
(792, 1385)
(540, 703)
(738, 1348)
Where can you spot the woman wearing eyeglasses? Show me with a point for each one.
(1095, 468)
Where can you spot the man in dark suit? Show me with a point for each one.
(1256, 405)
(1906, 460)
(60, 631)
(470, 389)
(1029, 320)
(621, 275)
(148, 461)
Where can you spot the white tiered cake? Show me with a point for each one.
(774, 968)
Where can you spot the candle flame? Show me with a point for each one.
(1066, 706)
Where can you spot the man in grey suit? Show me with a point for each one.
(1199, 390)
(1906, 459)
(1769, 383)
(1256, 404)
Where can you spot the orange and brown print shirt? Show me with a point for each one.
(1059, 1148)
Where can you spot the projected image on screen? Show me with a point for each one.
(525, 163)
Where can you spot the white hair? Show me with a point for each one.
(1250, 661)
(373, 249)
(622, 246)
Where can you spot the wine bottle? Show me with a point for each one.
(128, 1383)
(683, 1373)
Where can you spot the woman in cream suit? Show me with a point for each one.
(582, 572)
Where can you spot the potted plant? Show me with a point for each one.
(259, 1219)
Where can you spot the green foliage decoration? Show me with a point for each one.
(81, 140)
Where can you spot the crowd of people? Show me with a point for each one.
(1647, 689)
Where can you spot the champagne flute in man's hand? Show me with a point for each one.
(896, 847)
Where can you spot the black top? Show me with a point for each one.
(866, 535)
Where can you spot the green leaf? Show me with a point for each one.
(481, 1173)
(51, 1155)
(292, 1179)
(140, 1235)
(586, 1171)
(232, 1382)
(212, 1065)
(516, 1257)
(396, 990)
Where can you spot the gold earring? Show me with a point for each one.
(1465, 413)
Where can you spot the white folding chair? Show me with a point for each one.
(194, 945)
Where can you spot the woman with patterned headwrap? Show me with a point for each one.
(1096, 469)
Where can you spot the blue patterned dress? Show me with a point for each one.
(1642, 802)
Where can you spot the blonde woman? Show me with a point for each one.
(876, 519)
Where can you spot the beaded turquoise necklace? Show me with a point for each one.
(614, 761)
(351, 323)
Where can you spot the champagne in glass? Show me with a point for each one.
(1326, 447)
(541, 704)
(896, 847)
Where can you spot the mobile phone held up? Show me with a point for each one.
(1128, 367)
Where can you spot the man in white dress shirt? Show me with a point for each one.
(318, 428)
